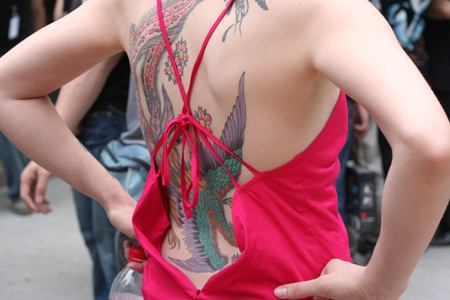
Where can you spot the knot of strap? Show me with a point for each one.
(183, 126)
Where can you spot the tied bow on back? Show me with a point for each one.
(175, 128)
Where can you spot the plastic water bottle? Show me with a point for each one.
(128, 283)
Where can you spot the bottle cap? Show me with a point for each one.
(137, 254)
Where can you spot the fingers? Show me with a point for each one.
(27, 179)
(126, 247)
(138, 267)
(25, 195)
(300, 290)
(127, 244)
(339, 280)
(41, 185)
(40, 191)
(360, 131)
(33, 186)
(43, 205)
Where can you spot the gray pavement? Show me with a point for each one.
(42, 257)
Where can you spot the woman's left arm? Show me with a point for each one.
(360, 54)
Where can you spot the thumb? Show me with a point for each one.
(299, 290)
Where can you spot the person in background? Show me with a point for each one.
(437, 43)
(358, 127)
(18, 19)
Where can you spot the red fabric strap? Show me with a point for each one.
(182, 125)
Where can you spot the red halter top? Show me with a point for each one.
(285, 220)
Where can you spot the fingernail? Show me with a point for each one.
(280, 291)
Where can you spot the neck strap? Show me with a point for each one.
(186, 97)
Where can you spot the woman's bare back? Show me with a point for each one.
(286, 102)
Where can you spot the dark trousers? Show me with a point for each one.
(99, 128)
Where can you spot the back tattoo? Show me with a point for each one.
(147, 55)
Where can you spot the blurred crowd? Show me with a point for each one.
(107, 124)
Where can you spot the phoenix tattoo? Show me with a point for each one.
(147, 56)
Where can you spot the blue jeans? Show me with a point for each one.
(343, 158)
(98, 129)
(13, 164)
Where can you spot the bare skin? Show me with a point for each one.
(74, 101)
(292, 58)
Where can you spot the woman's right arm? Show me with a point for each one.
(44, 62)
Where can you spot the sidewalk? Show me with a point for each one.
(42, 257)
(430, 280)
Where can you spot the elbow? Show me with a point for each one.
(436, 166)
(434, 154)
(440, 155)
(427, 152)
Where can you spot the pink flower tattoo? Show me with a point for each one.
(202, 116)
(181, 57)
